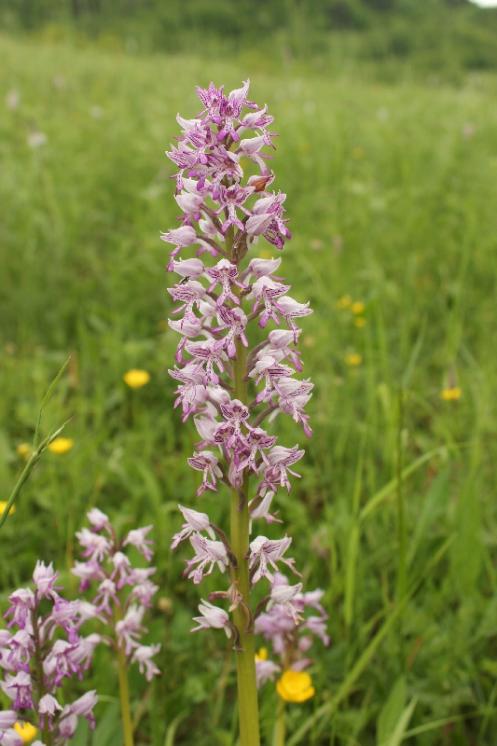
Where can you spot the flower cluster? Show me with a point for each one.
(123, 592)
(237, 363)
(41, 648)
(290, 622)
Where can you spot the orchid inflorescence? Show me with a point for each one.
(42, 647)
(290, 622)
(232, 379)
(123, 592)
(46, 646)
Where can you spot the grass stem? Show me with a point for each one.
(280, 724)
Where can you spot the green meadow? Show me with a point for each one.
(392, 187)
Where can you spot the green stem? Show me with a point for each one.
(279, 726)
(122, 668)
(245, 656)
(122, 672)
(401, 523)
(24, 476)
(40, 688)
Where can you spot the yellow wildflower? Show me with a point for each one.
(451, 393)
(3, 505)
(295, 686)
(357, 307)
(261, 655)
(360, 321)
(353, 359)
(26, 731)
(61, 445)
(24, 450)
(136, 378)
(344, 302)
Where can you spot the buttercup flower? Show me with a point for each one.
(27, 731)
(24, 450)
(353, 359)
(136, 378)
(357, 307)
(61, 445)
(3, 505)
(295, 686)
(261, 655)
(451, 393)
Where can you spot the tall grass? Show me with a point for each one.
(391, 191)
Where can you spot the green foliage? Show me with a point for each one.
(447, 34)
(391, 193)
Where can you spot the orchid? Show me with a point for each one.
(42, 647)
(123, 593)
(291, 622)
(237, 365)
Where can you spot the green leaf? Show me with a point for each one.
(350, 574)
(108, 727)
(388, 490)
(391, 712)
(400, 729)
(172, 728)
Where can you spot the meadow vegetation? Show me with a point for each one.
(391, 182)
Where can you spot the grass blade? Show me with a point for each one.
(26, 472)
(389, 489)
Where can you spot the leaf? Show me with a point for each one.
(389, 489)
(401, 727)
(363, 661)
(391, 712)
(172, 728)
(48, 396)
(329, 707)
(25, 474)
(350, 574)
(108, 727)
(433, 506)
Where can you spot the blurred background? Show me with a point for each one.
(387, 149)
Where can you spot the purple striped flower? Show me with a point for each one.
(237, 363)
(123, 591)
(43, 648)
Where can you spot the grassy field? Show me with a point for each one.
(391, 195)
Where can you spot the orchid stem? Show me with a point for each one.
(122, 672)
(122, 669)
(248, 708)
(44, 729)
